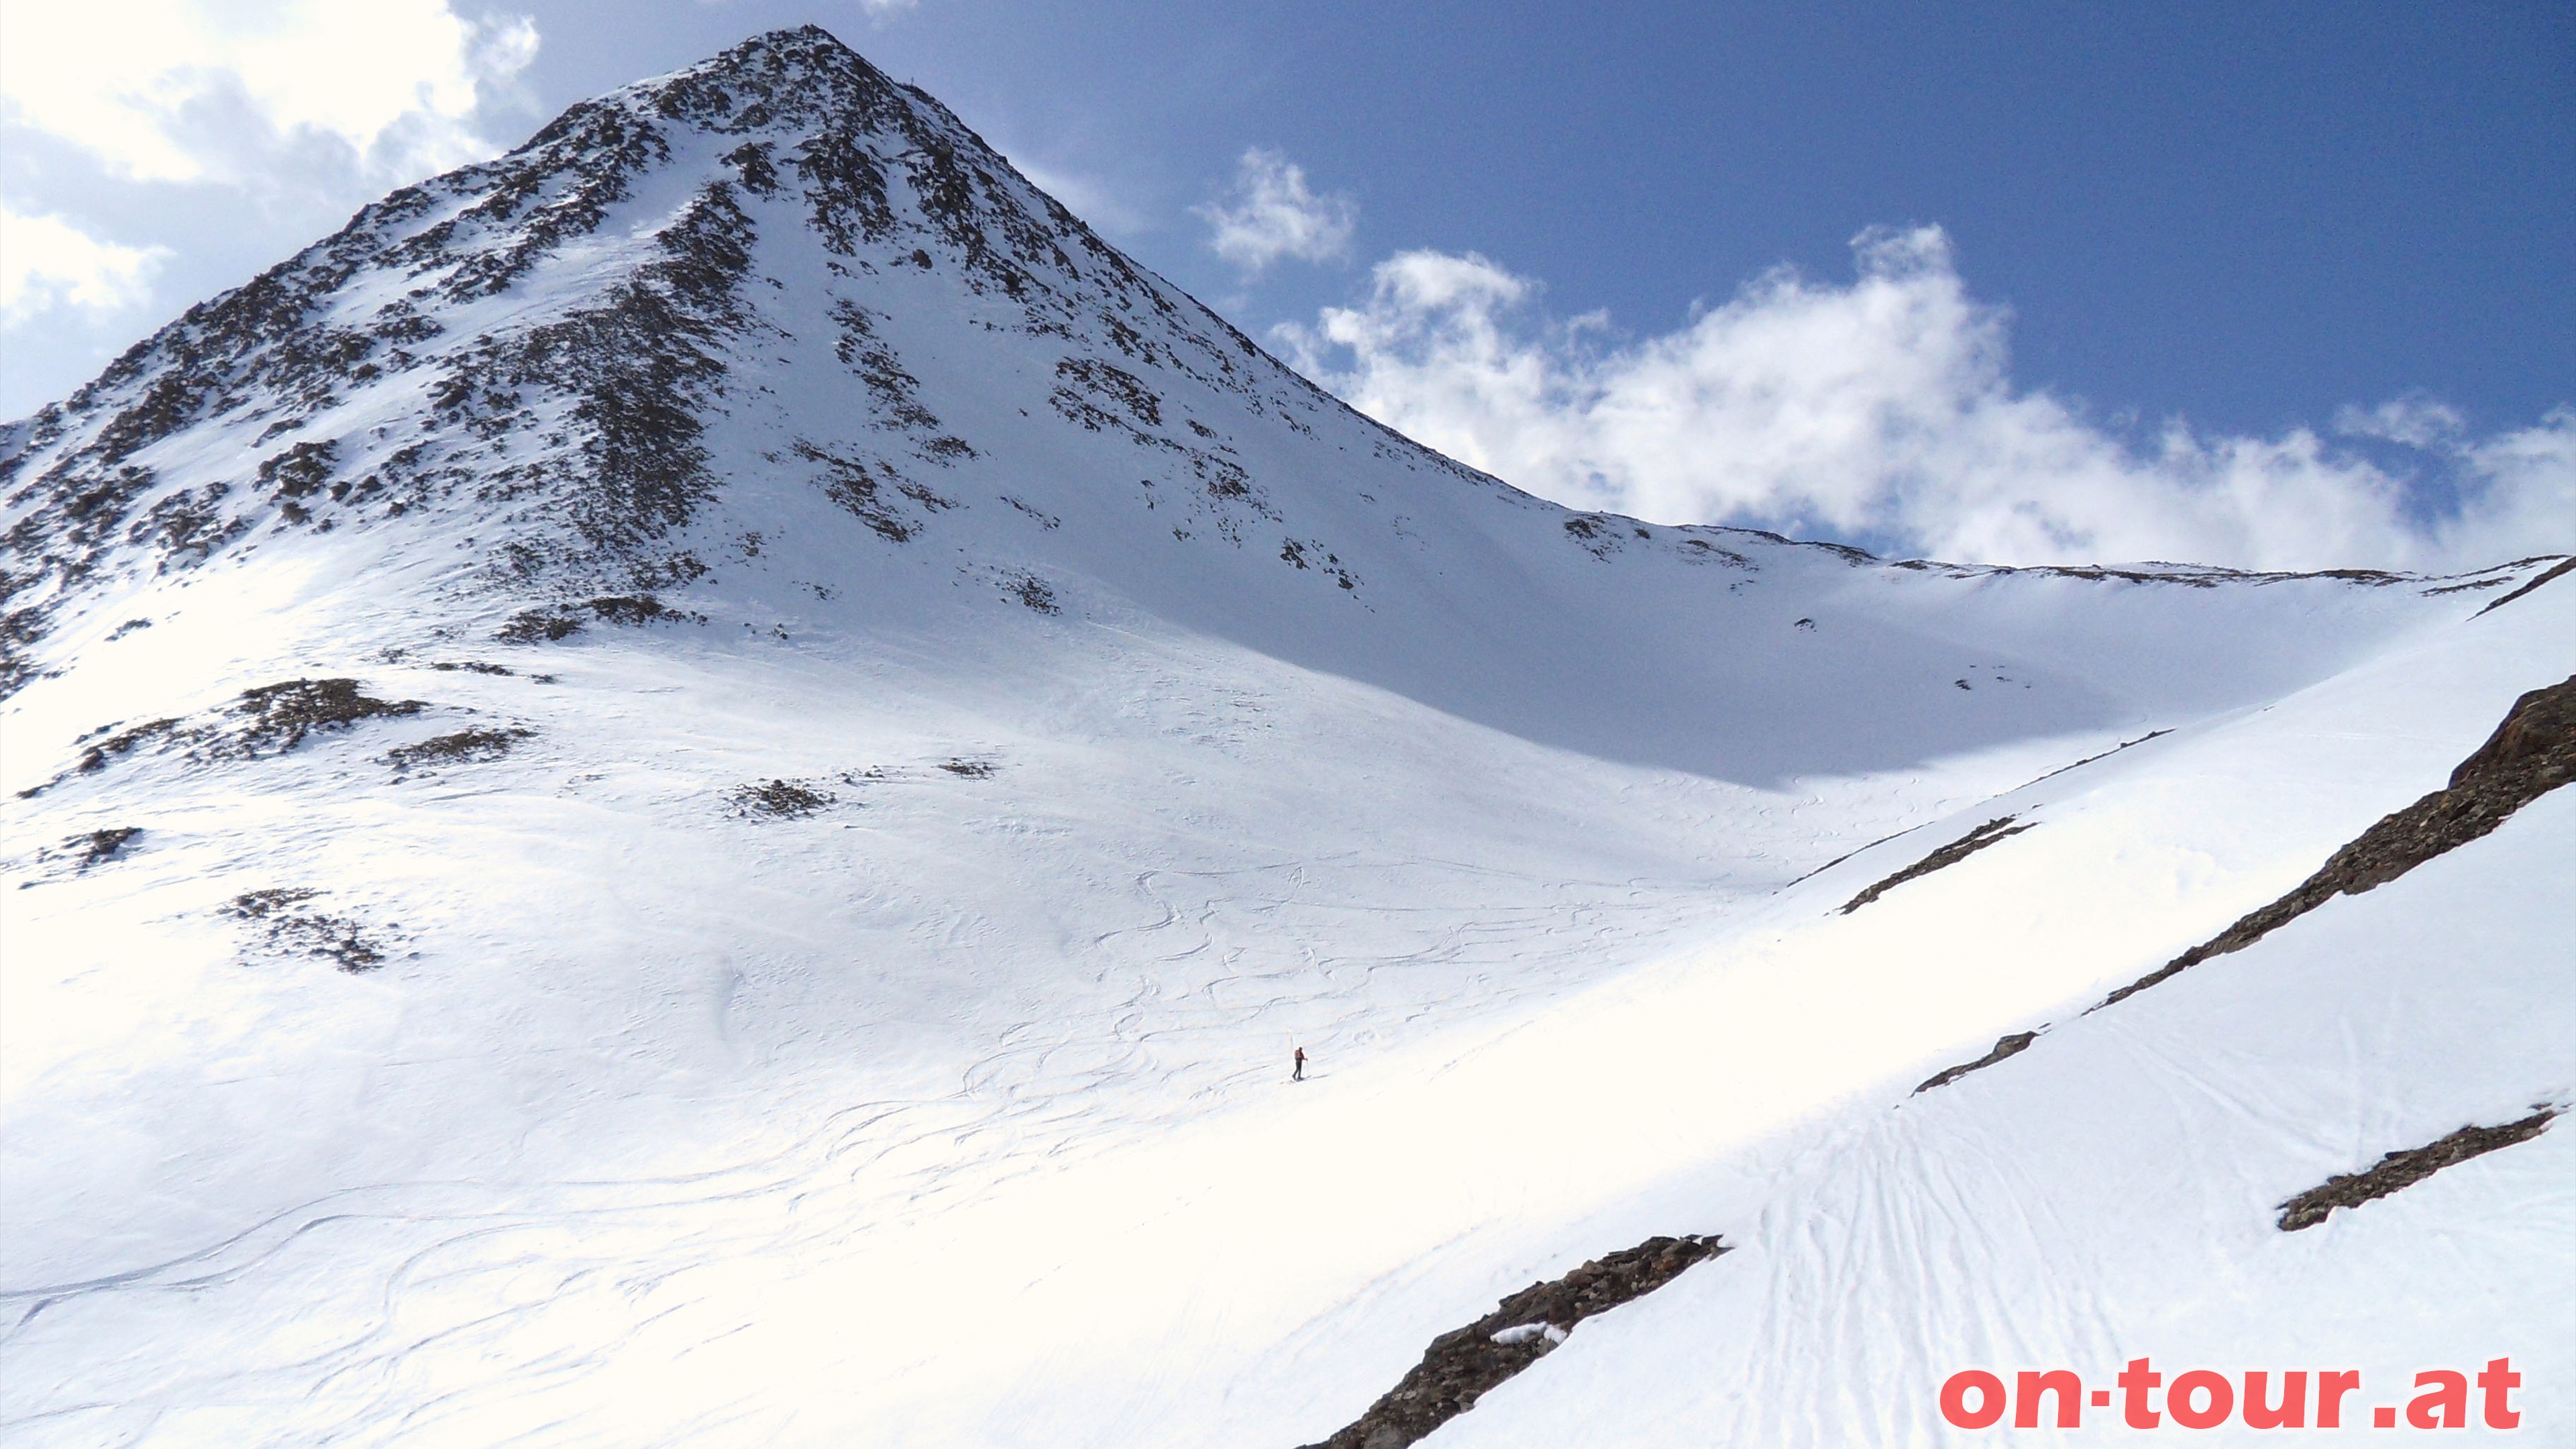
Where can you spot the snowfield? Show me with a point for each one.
(877, 727)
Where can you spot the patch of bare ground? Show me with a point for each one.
(463, 746)
(1465, 1364)
(1033, 591)
(91, 847)
(2399, 1170)
(2532, 753)
(971, 769)
(281, 715)
(102, 845)
(274, 913)
(1948, 855)
(780, 799)
(273, 718)
(124, 742)
(562, 621)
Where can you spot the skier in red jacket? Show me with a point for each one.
(1299, 1074)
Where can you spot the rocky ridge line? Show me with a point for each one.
(2532, 752)
(1464, 1364)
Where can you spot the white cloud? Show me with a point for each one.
(1272, 214)
(155, 88)
(46, 262)
(2414, 422)
(1884, 410)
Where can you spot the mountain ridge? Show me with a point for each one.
(594, 359)
(645, 360)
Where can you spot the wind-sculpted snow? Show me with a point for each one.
(691, 786)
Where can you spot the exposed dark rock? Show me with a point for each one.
(1045, 520)
(281, 715)
(2397, 1170)
(311, 932)
(102, 845)
(95, 756)
(1593, 531)
(780, 798)
(2557, 571)
(1031, 590)
(1465, 1364)
(635, 610)
(535, 626)
(463, 745)
(1948, 855)
(2005, 1046)
(562, 621)
(1700, 550)
(897, 392)
(1085, 378)
(300, 471)
(863, 489)
(2106, 754)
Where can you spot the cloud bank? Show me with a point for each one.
(1273, 214)
(182, 111)
(157, 90)
(47, 262)
(1884, 412)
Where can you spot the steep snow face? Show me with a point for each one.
(690, 787)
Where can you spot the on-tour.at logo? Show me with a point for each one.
(2206, 1398)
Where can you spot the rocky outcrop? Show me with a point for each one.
(1466, 1363)
(2530, 754)
(2398, 1170)
(1991, 833)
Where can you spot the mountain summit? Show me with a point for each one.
(722, 782)
(542, 342)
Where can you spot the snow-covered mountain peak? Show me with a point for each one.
(534, 348)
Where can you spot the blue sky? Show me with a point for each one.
(2352, 224)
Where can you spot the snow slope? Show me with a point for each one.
(1139, 712)
(2111, 1193)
